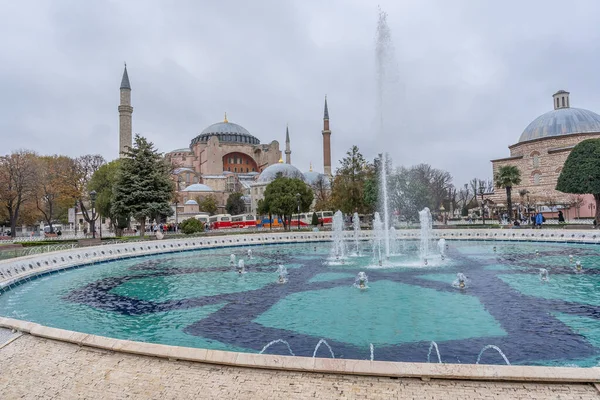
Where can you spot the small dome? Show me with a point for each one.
(562, 121)
(286, 170)
(184, 150)
(191, 203)
(226, 132)
(198, 187)
(311, 177)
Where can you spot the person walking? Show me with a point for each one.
(539, 220)
(561, 217)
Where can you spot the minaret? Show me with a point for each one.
(326, 142)
(125, 111)
(288, 152)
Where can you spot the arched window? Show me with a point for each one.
(563, 101)
(557, 104)
(535, 159)
(536, 178)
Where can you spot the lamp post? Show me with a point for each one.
(76, 218)
(481, 191)
(177, 183)
(93, 197)
(298, 202)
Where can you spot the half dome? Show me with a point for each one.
(286, 170)
(198, 187)
(562, 121)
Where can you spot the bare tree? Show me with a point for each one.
(84, 168)
(322, 191)
(17, 183)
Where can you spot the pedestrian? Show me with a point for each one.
(539, 220)
(561, 217)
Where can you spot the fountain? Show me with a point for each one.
(537, 253)
(570, 259)
(282, 273)
(322, 341)
(544, 275)
(426, 231)
(432, 346)
(578, 266)
(250, 254)
(461, 281)
(378, 237)
(442, 247)
(491, 346)
(361, 281)
(394, 241)
(232, 260)
(338, 235)
(241, 269)
(356, 226)
(277, 341)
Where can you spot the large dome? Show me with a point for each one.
(312, 177)
(562, 121)
(286, 170)
(226, 132)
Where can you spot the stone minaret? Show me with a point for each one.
(326, 142)
(288, 152)
(125, 111)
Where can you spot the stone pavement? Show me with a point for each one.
(37, 368)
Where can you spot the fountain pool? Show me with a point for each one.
(196, 299)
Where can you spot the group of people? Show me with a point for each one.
(164, 228)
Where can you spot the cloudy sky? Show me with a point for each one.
(470, 74)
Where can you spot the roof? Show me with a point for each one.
(125, 80)
(326, 112)
(177, 171)
(286, 170)
(191, 203)
(562, 121)
(313, 177)
(182, 150)
(226, 132)
(198, 187)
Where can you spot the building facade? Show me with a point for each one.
(540, 155)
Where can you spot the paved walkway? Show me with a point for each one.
(36, 368)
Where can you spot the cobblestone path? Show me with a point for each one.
(36, 368)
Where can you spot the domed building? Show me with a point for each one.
(257, 189)
(540, 154)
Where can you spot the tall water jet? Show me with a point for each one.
(377, 238)
(241, 269)
(338, 235)
(385, 64)
(442, 247)
(426, 231)
(394, 241)
(356, 226)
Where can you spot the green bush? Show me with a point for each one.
(315, 219)
(191, 225)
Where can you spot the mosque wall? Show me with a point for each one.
(540, 162)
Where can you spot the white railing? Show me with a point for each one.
(16, 269)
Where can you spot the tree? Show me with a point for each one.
(507, 177)
(321, 188)
(315, 219)
(102, 182)
(348, 185)
(281, 198)
(581, 171)
(191, 226)
(53, 192)
(143, 188)
(235, 204)
(208, 204)
(85, 167)
(17, 183)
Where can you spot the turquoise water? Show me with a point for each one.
(197, 299)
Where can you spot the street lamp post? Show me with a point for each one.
(481, 190)
(93, 223)
(76, 218)
(298, 202)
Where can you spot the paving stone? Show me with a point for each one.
(37, 368)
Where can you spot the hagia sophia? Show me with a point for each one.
(540, 155)
(225, 158)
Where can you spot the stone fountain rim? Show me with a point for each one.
(424, 371)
